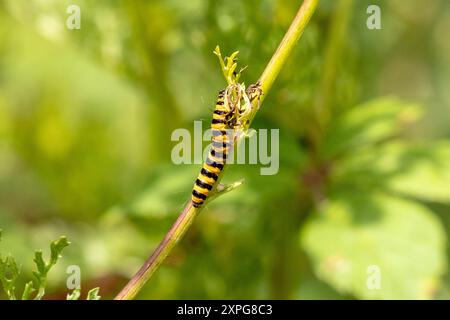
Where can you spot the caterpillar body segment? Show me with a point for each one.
(218, 153)
(228, 116)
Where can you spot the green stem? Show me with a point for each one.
(189, 213)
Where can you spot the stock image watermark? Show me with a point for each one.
(373, 21)
(73, 21)
(74, 279)
(260, 147)
(373, 281)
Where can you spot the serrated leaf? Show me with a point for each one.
(56, 247)
(416, 170)
(40, 263)
(43, 267)
(74, 295)
(355, 233)
(368, 124)
(93, 294)
(9, 272)
(28, 290)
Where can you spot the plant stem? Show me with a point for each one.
(175, 233)
(188, 214)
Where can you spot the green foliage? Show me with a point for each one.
(85, 126)
(28, 290)
(360, 225)
(43, 267)
(427, 171)
(91, 295)
(74, 295)
(10, 272)
(354, 231)
(228, 66)
(419, 170)
(368, 124)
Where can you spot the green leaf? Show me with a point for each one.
(355, 235)
(427, 173)
(368, 124)
(416, 170)
(93, 294)
(43, 267)
(40, 263)
(29, 289)
(56, 247)
(74, 295)
(9, 272)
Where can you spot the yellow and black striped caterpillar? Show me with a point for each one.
(216, 159)
(226, 115)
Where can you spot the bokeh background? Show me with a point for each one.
(364, 180)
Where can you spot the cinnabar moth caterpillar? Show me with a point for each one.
(224, 118)
(218, 153)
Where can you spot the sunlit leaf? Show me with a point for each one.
(93, 294)
(74, 295)
(368, 124)
(56, 247)
(28, 290)
(9, 272)
(44, 267)
(358, 237)
(416, 170)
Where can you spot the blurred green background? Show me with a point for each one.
(364, 180)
